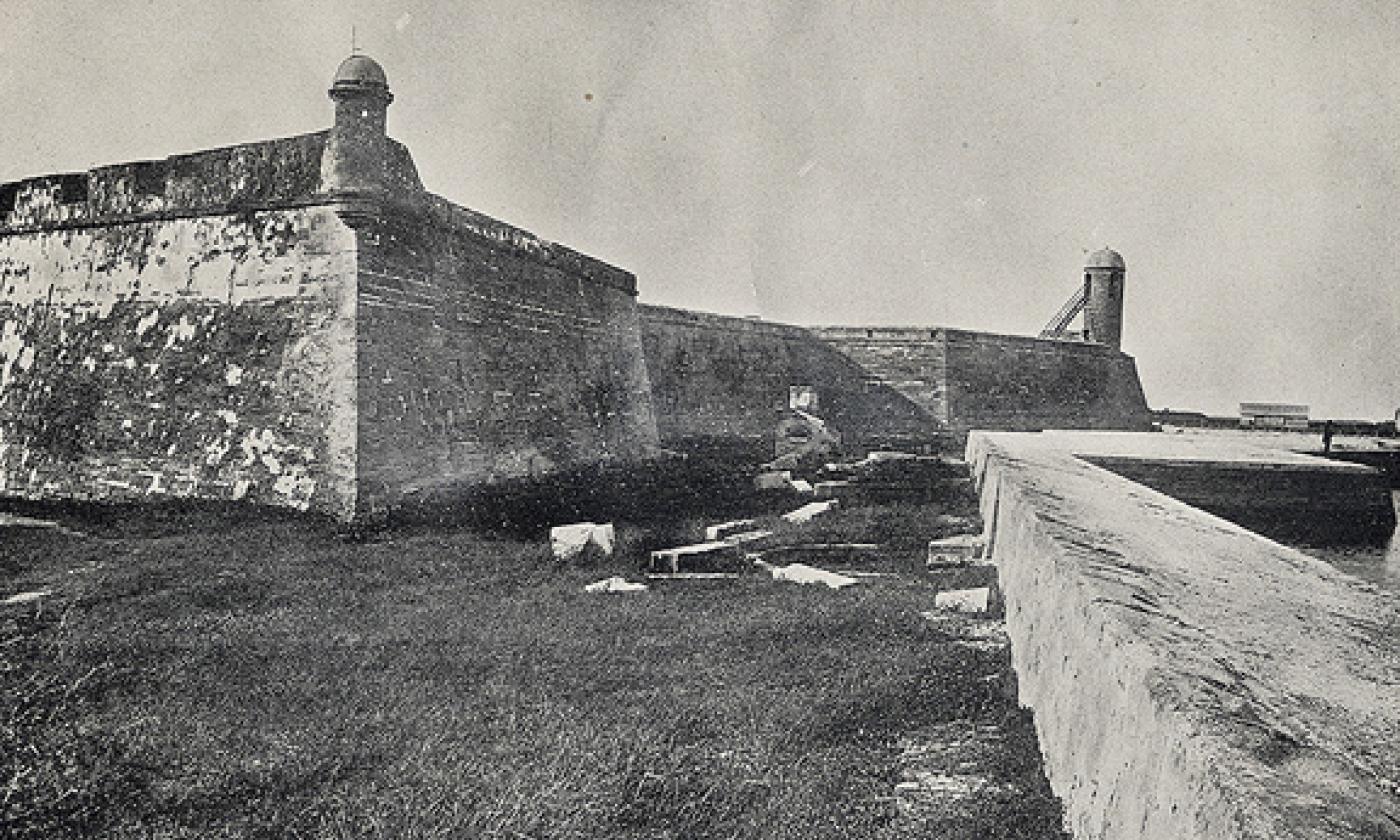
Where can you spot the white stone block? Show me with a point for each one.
(746, 537)
(27, 597)
(955, 551)
(724, 529)
(964, 600)
(802, 573)
(568, 542)
(772, 480)
(688, 557)
(810, 510)
(615, 584)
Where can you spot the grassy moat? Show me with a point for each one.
(234, 674)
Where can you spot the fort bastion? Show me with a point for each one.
(299, 323)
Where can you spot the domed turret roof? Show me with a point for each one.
(360, 71)
(1106, 258)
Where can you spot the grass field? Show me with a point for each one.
(257, 675)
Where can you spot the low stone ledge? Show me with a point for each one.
(1190, 679)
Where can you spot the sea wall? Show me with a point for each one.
(1189, 678)
(487, 354)
(189, 355)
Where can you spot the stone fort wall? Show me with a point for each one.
(721, 383)
(213, 326)
(718, 378)
(297, 322)
(157, 341)
(166, 330)
(487, 355)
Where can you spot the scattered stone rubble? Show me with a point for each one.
(27, 597)
(719, 555)
(573, 542)
(725, 529)
(802, 573)
(960, 550)
(773, 480)
(802, 437)
(615, 584)
(14, 520)
(976, 601)
(782, 480)
(809, 511)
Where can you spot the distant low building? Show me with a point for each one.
(1273, 416)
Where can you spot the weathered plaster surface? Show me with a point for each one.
(218, 325)
(208, 356)
(242, 178)
(1189, 678)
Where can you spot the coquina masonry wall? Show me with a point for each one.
(1022, 383)
(488, 355)
(719, 378)
(154, 341)
(218, 325)
(721, 383)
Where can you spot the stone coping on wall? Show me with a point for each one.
(1181, 449)
(1189, 678)
(254, 177)
(954, 334)
(524, 243)
(828, 332)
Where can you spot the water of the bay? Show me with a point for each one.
(1377, 564)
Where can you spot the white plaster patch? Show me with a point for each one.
(129, 363)
(11, 345)
(240, 488)
(90, 363)
(255, 444)
(182, 331)
(26, 358)
(214, 453)
(147, 321)
(109, 347)
(296, 487)
(233, 375)
(227, 416)
(152, 367)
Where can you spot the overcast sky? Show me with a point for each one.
(850, 162)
